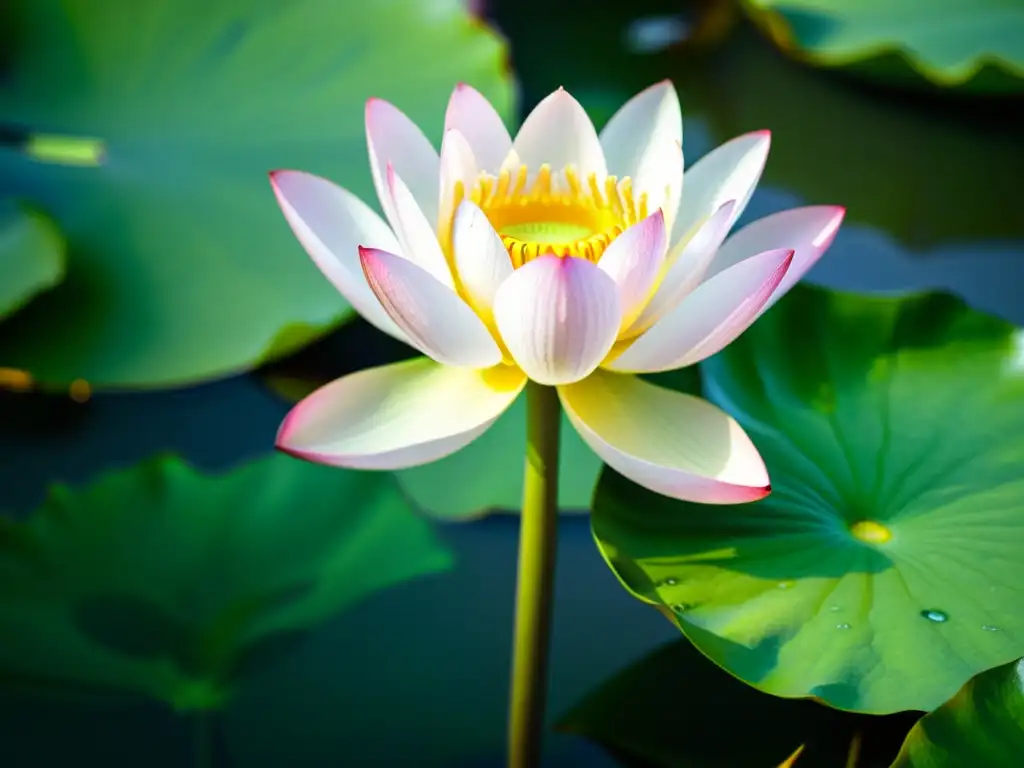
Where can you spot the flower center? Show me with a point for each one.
(560, 214)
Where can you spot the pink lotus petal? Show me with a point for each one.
(559, 133)
(470, 113)
(393, 138)
(634, 261)
(399, 415)
(558, 317)
(672, 443)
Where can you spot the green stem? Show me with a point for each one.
(204, 738)
(535, 580)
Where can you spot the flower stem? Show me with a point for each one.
(535, 579)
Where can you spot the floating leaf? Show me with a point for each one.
(147, 131)
(977, 44)
(982, 725)
(160, 581)
(31, 255)
(887, 566)
(668, 709)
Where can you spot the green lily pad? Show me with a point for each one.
(976, 44)
(873, 153)
(31, 255)
(983, 725)
(148, 130)
(163, 582)
(668, 709)
(887, 566)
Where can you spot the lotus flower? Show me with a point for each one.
(568, 257)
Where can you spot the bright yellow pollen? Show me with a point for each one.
(558, 213)
(870, 532)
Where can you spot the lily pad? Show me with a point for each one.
(147, 131)
(887, 566)
(878, 154)
(31, 255)
(983, 725)
(668, 710)
(976, 44)
(163, 582)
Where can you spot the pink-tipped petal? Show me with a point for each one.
(672, 443)
(558, 317)
(481, 261)
(436, 320)
(685, 266)
(392, 138)
(399, 415)
(559, 133)
(728, 172)
(634, 261)
(643, 140)
(415, 233)
(331, 223)
(710, 318)
(470, 113)
(808, 231)
(458, 169)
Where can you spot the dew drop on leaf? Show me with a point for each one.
(933, 615)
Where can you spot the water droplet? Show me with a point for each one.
(670, 582)
(786, 584)
(680, 607)
(937, 616)
(834, 609)
(989, 628)
(844, 625)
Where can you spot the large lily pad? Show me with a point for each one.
(149, 129)
(983, 725)
(670, 708)
(978, 44)
(880, 155)
(31, 255)
(163, 582)
(887, 566)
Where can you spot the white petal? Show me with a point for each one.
(470, 113)
(708, 319)
(558, 317)
(458, 166)
(634, 261)
(399, 415)
(728, 172)
(436, 320)
(393, 138)
(675, 444)
(331, 223)
(643, 140)
(415, 233)
(559, 133)
(808, 231)
(685, 266)
(481, 261)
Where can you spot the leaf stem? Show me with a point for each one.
(535, 578)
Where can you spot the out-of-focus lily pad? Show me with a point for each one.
(928, 173)
(163, 582)
(148, 130)
(977, 44)
(670, 709)
(887, 566)
(983, 725)
(31, 255)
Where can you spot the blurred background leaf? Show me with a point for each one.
(160, 581)
(181, 268)
(983, 725)
(31, 255)
(887, 566)
(975, 44)
(676, 708)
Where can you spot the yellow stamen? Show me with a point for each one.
(559, 214)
